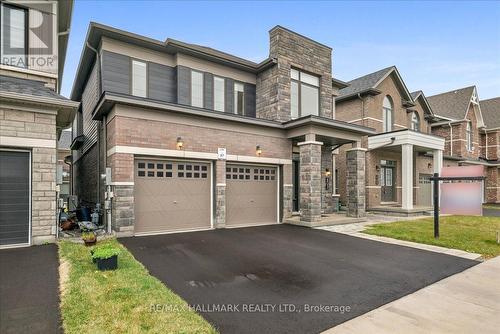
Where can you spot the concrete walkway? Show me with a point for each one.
(356, 229)
(468, 302)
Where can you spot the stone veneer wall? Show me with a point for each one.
(327, 205)
(356, 205)
(26, 124)
(310, 181)
(273, 85)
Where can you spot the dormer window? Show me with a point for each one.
(415, 121)
(304, 91)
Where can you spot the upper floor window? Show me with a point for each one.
(14, 36)
(415, 121)
(468, 137)
(197, 89)
(304, 99)
(219, 96)
(387, 111)
(139, 78)
(239, 98)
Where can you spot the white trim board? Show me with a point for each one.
(27, 142)
(194, 155)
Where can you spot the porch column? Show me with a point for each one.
(407, 176)
(437, 156)
(356, 187)
(220, 194)
(310, 179)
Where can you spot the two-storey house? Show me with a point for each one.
(490, 148)
(196, 138)
(34, 36)
(403, 153)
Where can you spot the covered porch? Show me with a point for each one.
(314, 142)
(403, 180)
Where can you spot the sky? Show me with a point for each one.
(436, 46)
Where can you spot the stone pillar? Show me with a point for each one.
(326, 194)
(310, 179)
(356, 200)
(220, 194)
(122, 210)
(287, 191)
(407, 176)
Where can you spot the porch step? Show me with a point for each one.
(326, 220)
(400, 212)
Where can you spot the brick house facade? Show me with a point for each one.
(244, 110)
(32, 116)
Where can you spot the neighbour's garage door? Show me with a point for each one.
(171, 196)
(14, 197)
(251, 195)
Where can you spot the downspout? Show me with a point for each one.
(362, 109)
(451, 139)
(98, 59)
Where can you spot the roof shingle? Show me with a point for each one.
(365, 82)
(27, 87)
(491, 112)
(453, 104)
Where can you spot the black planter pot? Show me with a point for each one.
(108, 264)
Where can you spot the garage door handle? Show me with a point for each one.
(251, 201)
(175, 202)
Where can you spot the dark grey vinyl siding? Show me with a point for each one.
(90, 97)
(161, 83)
(115, 72)
(183, 85)
(249, 100)
(14, 197)
(229, 98)
(208, 90)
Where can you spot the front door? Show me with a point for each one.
(387, 177)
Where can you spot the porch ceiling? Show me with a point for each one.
(393, 140)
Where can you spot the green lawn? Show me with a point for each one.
(472, 234)
(119, 301)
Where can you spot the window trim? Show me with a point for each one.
(299, 84)
(26, 31)
(235, 110)
(468, 136)
(384, 110)
(131, 84)
(202, 88)
(419, 128)
(223, 92)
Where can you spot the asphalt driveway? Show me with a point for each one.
(29, 290)
(262, 279)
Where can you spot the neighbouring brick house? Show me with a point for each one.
(403, 153)
(196, 138)
(471, 134)
(490, 148)
(32, 115)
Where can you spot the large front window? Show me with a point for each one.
(197, 89)
(13, 36)
(387, 111)
(304, 93)
(139, 78)
(468, 136)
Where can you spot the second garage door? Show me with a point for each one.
(171, 196)
(251, 195)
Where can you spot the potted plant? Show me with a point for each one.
(89, 238)
(106, 257)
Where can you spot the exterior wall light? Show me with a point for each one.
(258, 150)
(327, 178)
(180, 143)
(327, 172)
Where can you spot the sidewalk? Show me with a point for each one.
(468, 302)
